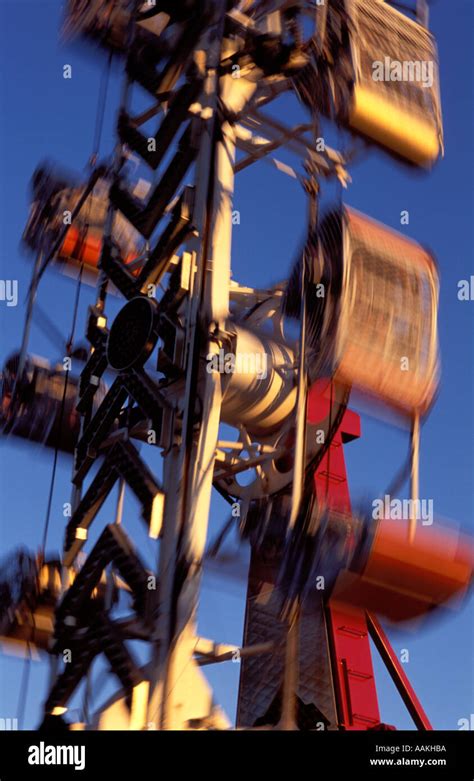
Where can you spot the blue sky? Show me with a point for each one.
(43, 115)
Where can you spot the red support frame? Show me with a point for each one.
(350, 628)
(349, 642)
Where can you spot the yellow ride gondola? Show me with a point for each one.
(376, 73)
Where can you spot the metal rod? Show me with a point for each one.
(245, 651)
(290, 680)
(28, 319)
(397, 674)
(415, 476)
(120, 500)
